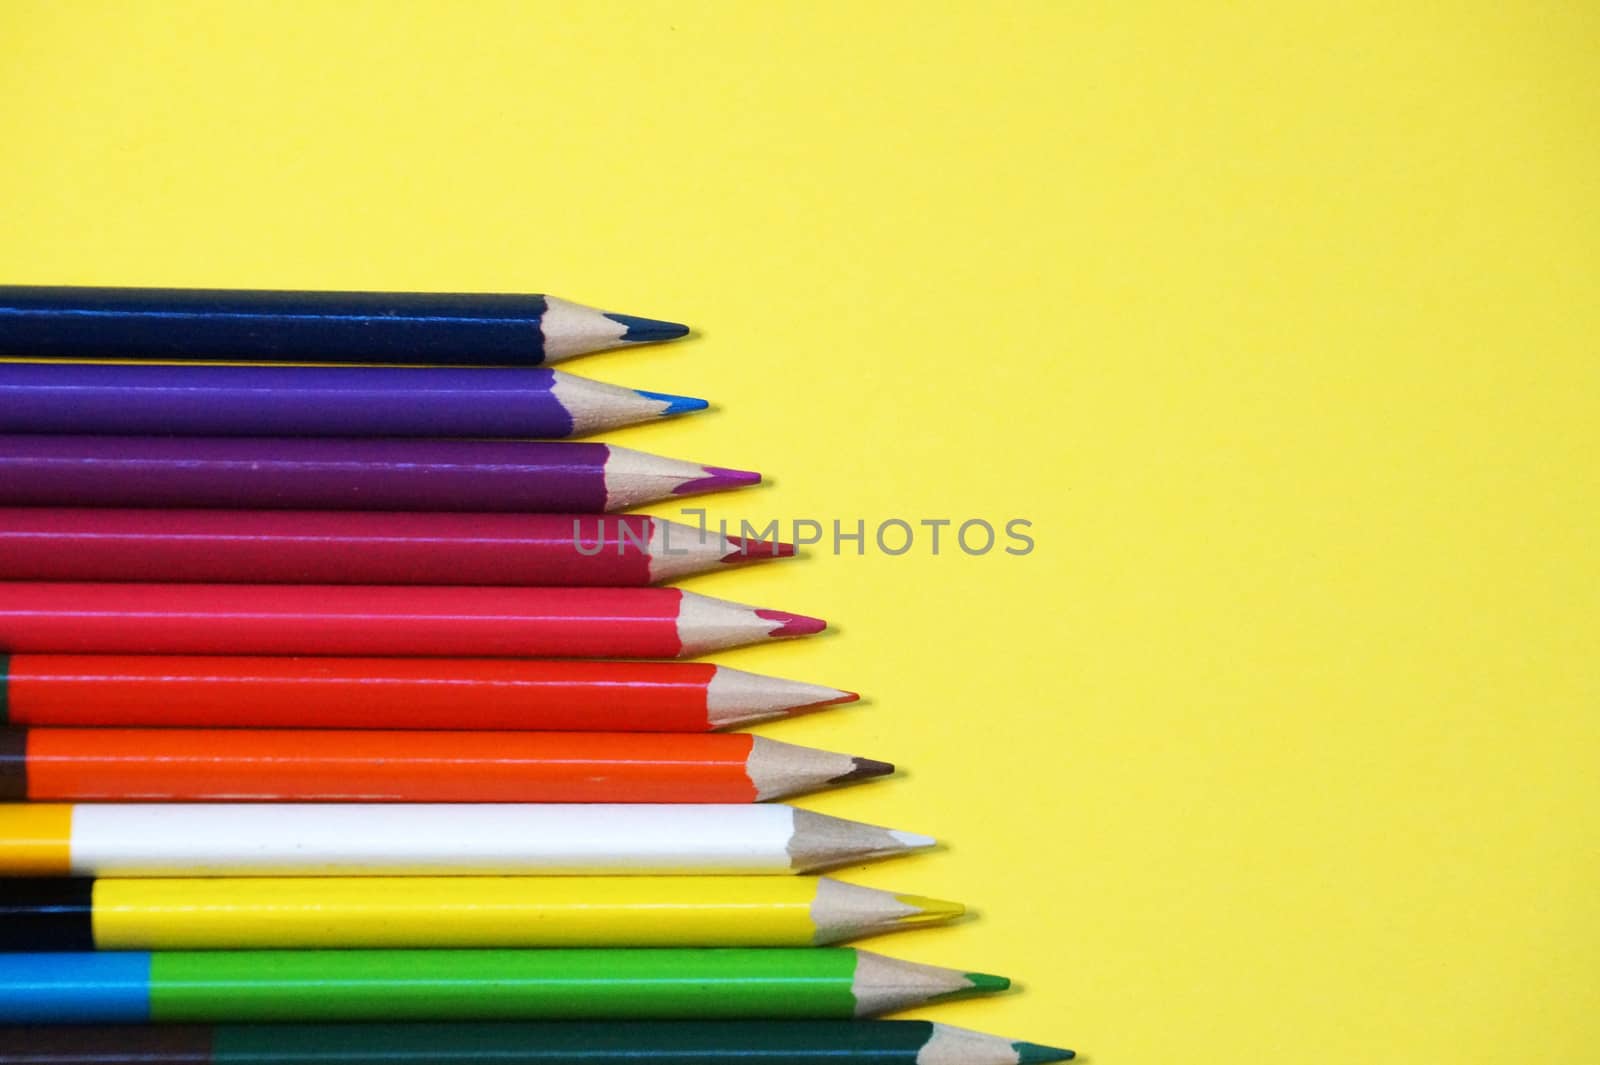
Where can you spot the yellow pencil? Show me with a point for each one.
(450, 912)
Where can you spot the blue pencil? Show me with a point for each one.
(201, 400)
(414, 328)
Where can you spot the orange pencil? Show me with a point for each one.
(246, 765)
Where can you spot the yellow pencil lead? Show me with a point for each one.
(929, 910)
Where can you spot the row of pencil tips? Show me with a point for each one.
(338, 721)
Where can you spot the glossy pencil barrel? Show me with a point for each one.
(294, 619)
(510, 1043)
(358, 547)
(360, 985)
(219, 691)
(316, 473)
(423, 839)
(245, 913)
(199, 400)
(317, 327)
(286, 765)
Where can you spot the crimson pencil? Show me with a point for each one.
(329, 619)
(215, 691)
(318, 473)
(360, 547)
(284, 765)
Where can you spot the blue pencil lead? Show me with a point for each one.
(648, 330)
(675, 404)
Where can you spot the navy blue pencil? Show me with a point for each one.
(414, 328)
(201, 400)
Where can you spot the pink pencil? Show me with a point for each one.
(360, 547)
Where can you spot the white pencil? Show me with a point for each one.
(46, 839)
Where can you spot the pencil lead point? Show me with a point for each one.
(930, 910)
(749, 547)
(647, 330)
(716, 479)
(913, 841)
(864, 769)
(1039, 1054)
(791, 624)
(984, 983)
(674, 404)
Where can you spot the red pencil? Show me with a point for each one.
(360, 547)
(328, 619)
(251, 765)
(216, 691)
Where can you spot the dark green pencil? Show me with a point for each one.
(627, 1043)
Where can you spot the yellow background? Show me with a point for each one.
(1277, 320)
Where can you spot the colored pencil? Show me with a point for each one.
(333, 619)
(123, 987)
(212, 691)
(292, 765)
(510, 1043)
(51, 322)
(317, 473)
(200, 400)
(217, 913)
(227, 839)
(322, 474)
(361, 547)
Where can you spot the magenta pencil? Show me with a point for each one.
(360, 547)
(320, 473)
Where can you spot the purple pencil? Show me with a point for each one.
(331, 474)
(201, 400)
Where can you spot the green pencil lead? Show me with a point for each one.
(977, 984)
(1037, 1053)
(983, 982)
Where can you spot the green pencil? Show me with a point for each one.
(573, 1043)
(120, 987)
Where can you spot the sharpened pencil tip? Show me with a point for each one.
(929, 909)
(791, 624)
(746, 547)
(864, 769)
(987, 982)
(732, 477)
(675, 404)
(913, 841)
(648, 330)
(717, 479)
(1039, 1054)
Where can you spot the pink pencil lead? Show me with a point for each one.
(745, 547)
(791, 624)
